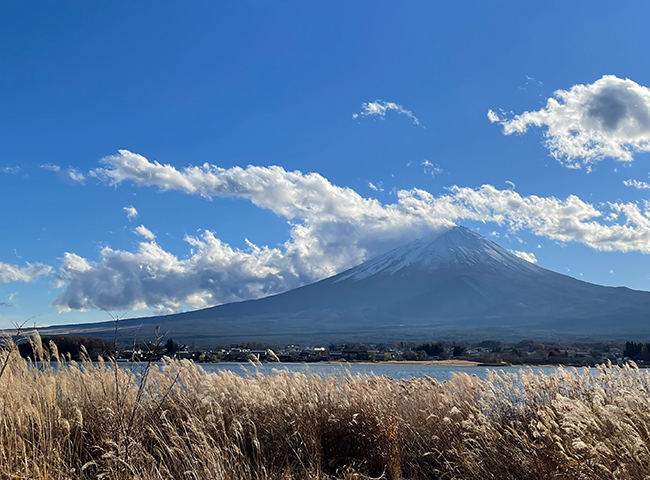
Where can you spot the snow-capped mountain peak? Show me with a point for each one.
(459, 247)
(457, 284)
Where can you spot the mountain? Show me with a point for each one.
(458, 285)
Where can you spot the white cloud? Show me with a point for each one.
(152, 277)
(379, 187)
(608, 118)
(145, 233)
(639, 185)
(432, 169)
(131, 212)
(332, 229)
(51, 167)
(379, 108)
(12, 170)
(528, 256)
(14, 273)
(512, 184)
(74, 176)
(69, 175)
(492, 116)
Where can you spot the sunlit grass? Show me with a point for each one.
(70, 420)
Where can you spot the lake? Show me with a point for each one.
(439, 372)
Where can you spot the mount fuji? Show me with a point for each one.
(457, 285)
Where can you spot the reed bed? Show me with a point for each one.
(65, 420)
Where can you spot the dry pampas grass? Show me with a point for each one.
(63, 420)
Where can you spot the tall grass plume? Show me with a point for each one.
(68, 420)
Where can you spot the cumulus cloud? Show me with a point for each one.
(145, 233)
(15, 273)
(639, 185)
(332, 228)
(529, 257)
(379, 108)
(69, 175)
(608, 118)
(154, 278)
(131, 212)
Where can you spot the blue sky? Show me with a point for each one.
(263, 84)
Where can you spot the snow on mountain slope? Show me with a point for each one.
(457, 248)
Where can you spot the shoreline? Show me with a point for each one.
(450, 363)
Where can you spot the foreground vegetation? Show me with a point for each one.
(85, 420)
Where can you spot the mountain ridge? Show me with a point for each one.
(457, 284)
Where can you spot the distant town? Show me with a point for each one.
(489, 352)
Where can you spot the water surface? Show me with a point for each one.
(439, 372)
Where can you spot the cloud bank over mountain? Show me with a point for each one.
(332, 228)
(608, 118)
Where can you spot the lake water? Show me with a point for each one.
(439, 372)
